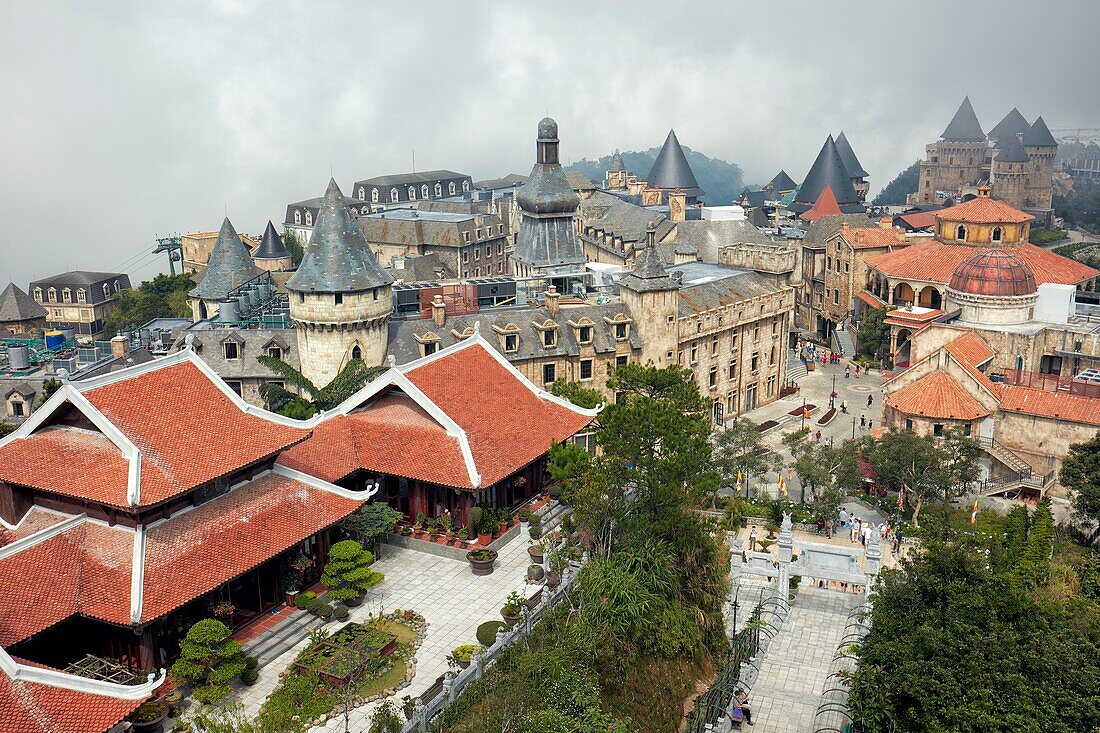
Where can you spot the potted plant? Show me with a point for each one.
(463, 535)
(347, 574)
(512, 608)
(535, 572)
(174, 701)
(418, 523)
(448, 524)
(524, 515)
(251, 671)
(465, 653)
(224, 610)
(485, 528)
(149, 717)
(537, 553)
(481, 561)
(772, 528)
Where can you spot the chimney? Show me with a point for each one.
(885, 222)
(844, 227)
(677, 205)
(439, 311)
(120, 347)
(859, 237)
(552, 296)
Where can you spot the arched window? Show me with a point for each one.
(996, 234)
(297, 216)
(362, 194)
(439, 189)
(451, 188)
(356, 352)
(393, 195)
(374, 195)
(424, 191)
(465, 185)
(960, 233)
(412, 193)
(309, 218)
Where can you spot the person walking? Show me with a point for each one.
(857, 371)
(862, 422)
(870, 399)
(870, 423)
(844, 407)
(847, 370)
(752, 538)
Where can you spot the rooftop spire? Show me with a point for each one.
(547, 236)
(649, 271)
(848, 157)
(15, 305)
(828, 172)
(230, 265)
(1038, 135)
(964, 125)
(671, 170)
(271, 246)
(1012, 125)
(617, 162)
(337, 258)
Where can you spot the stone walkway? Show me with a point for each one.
(444, 591)
(785, 696)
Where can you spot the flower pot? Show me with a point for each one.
(536, 556)
(353, 602)
(463, 663)
(155, 725)
(485, 538)
(553, 580)
(535, 572)
(479, 565)
(510, 620)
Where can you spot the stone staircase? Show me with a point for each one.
(795, 369)
(282, 637)
(843, 342)
(1005, 456)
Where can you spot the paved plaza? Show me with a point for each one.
(444, 591)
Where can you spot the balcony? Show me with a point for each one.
(1049, 382)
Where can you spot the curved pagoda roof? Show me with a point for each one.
(230, 265)
(671, 170)
(337, 258)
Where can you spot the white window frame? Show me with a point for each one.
(374, 195)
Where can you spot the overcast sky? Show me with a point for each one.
(122, 121)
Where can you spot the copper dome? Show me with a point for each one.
(993, 272)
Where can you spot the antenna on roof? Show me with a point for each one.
(414, 161)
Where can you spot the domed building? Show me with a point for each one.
(993, 287)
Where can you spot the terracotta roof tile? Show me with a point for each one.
(936, 395)
(871, 237)
(36, 520)
(983, 210)
(935, 261)
(970, 348)
(29, 707)
(825, 205)
(69, 461)
(920, 219)
(1060, 406)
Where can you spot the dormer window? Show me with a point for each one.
(438, 189)
(117, 287)
(275, 352)
(412, 193)
(584, 334)
(465, 185)
(374, 195)
(309, 218)
(232, 350)
(549, 339)
(106, 291)
(621, 331)
(38, 294)
(67, 295)
(81, 296)
(428, 343)
(960, 233)
(53, 294)
(548, 331)
(362, 194)
(451, 188)
(424, 191)
(297, 216)
(393, 195)
(511, 343)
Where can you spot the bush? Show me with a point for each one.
(306, 601)
(535, 532)
(209, 657)
(323, 610)
(149, 712)
(487, 633)
(466, 652)
(210, 694)
(536, 520)
(348, 574)
(473, 520)
(386, 719)
(340, 611)
(513, 606)
(249, 676)
(251, 663)
(524, 514)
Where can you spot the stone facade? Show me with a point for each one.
(198, 245)
(333, 328)
(951, 166)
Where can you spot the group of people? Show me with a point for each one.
(860, 530)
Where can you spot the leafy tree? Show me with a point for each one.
(7, 428)
(347, 574)
(740, 448)
(566, 464)
(1080, 207)
(921, 468)
(209, 660)
(814, 466)
(1081, 472)
(371, 522)
(848, 471)
(1033, 565)
(1016, 526)
(577, 394)
(49, 386)
(874, 333)
(161, 297)
(294, 246)
(897, 190)
(353, 377)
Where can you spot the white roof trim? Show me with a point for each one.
(17, 525)
(137, 576)
(317, 483)
(65, 681)
(41, 536)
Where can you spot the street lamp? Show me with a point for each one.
(803, 414)
(853, 428)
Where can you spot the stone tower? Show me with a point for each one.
(547, 238)
(956, 159)
(671, 172)
(230, 266)
(1009, 170)
(654, 302)
(340, 297)
(1041, 148)
(272, 254)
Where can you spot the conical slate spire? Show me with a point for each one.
(828, 171)
(649, 271)
(230, 265)
(1012, 125)
(617, 164)
(783, 182)
(848, 157)
(15, 305)
(671, 170)
(1038, 135)
(337, 258)
(271, 246)
(964, 125)
(1010, 151)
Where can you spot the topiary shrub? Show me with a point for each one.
(209, 659)
(305, 601)
(473, 520)
(487, 633)
(249, 676)
(347, 574)
(323, 611)
(340, 611)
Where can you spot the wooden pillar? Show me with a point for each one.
(147, 656)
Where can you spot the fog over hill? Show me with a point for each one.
(722, 181)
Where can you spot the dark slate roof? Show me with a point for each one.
(15, 305)
(579, 181)
(93, 282)
(1038, 135)
(649, 271)
(964, 125)
(738, 286)
(671, 170)
(404, 347)
(82, 277)
(783, 182)
(230, 266)
(271, 246)
(621, 218)
(706, 237)
(828, 170)
(422, 268)
(547, 237)
(848, 157)
(251, 343)
(1012, 124)
(756, 199)
(404, 179)
(337, 258)
(617, 163)
(1009, 150)
(826, 226)
(510, 180)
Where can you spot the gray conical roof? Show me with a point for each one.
(782, 182)
(1010, 151)
(964, 125)
(1038, 135)
(230, 265)
(271, 246)
(671, 170)
(1012, 125)
(617, 163)
(848, 157)
(827, 171)
(337, 258)
(649, 271)
(15, 305)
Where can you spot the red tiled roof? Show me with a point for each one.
(920, 219)
(196, 551)
(993, 272)
(970, 350)
(936, 395)
(35, 520)
(1057, 405)
(983, 210)
(869, 237)
(825, 205)
(30, 707)
(507, 424)
(869, 299)
(69, 461)
(935, 261)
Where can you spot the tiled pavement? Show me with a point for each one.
(444, 591)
